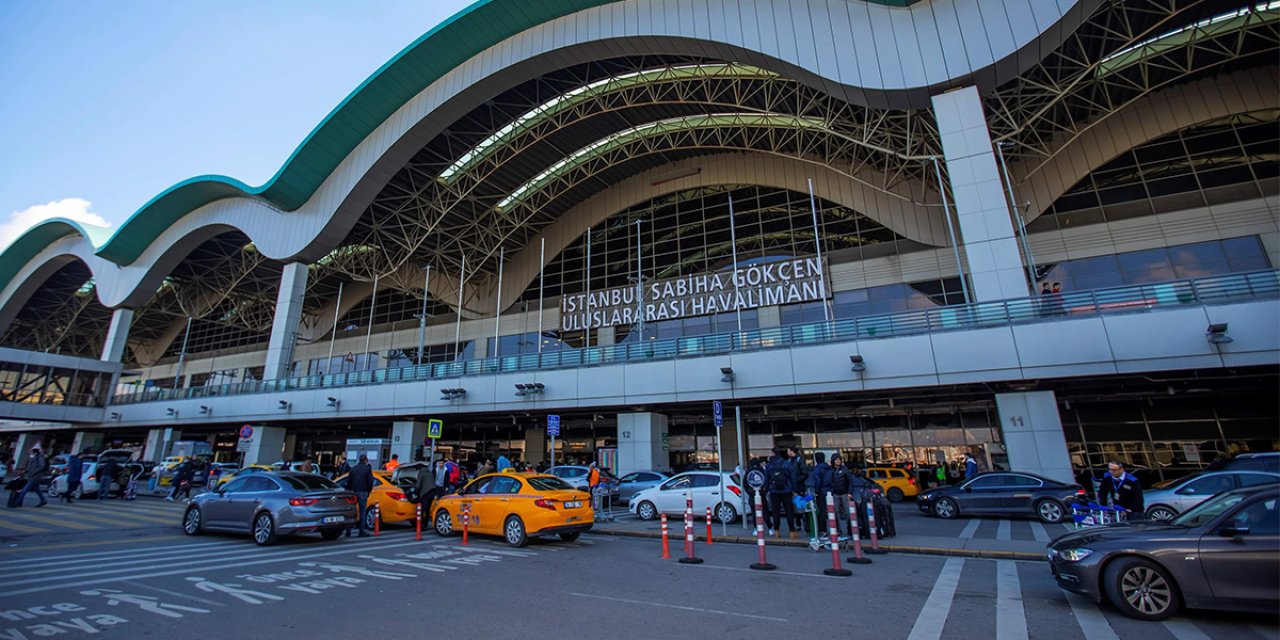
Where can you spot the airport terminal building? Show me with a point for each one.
(1042, 232)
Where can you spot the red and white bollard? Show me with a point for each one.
(688, 558)
(857, 557)
(836, 569)
(709, 525)
(763, 564)
(417, 520)
(466, 521)
(377, 520)
(871, 524)
(666, 546)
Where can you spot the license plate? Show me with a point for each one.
(334, 519)
(572, 504)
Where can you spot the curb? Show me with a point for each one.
(989, 554)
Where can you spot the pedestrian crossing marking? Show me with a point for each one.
(1184, 630)
(1038, 532)
(970, 529)
(933, 616)
(53, 521)
(123, 520)
(1011, 617)
(6, 524)
(1090, 618)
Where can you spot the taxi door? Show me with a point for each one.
(496, 501)
(474, 497)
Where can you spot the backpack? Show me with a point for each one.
(779, 478)
(454, 473)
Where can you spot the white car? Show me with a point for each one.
(670, 496)
(1167, 502)
(88, 483)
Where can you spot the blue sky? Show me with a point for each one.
(106, 104)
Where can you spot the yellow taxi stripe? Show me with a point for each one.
(128, 519)
(53, 521)
(6, 524)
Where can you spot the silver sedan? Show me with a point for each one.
(271, 504)
(637, 481)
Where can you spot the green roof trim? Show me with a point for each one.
(37, 238)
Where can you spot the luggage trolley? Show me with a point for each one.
(807, 506)
(1092, 514)
(602, 503)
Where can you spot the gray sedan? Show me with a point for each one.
(1167, 502)
(637, 481)
(1222, 554)
(271, 504)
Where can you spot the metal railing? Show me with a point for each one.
(1045, 308)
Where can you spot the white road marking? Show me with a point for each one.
(1004, 530)
(970, 529)
(175, 594)
(1090, 618)
(797, 574)
(104, 555)
(1037, 530)
(1011, 617)
(680, 607)
(933, 616)
(1182, 629)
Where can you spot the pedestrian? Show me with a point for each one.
(780, 484)
(183, 480)
(503, 463)
(307, 467)
(6, 469)
(485, 468)
(107, 472)
(427, 489)
(1120, 489)
(343, 467)
(360, 481)
(820, 483)
(970, 466)
(452, 476)
(799, 478)
(34, 472)
(841, 481)
(1046, 304)
(392, 463)
(940, 474)
(174, 486)
(75, 471)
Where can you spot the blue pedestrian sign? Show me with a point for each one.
(553, 425)
(717, 410)
(435, 427)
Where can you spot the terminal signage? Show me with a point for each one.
(553, 425)
(758, 285)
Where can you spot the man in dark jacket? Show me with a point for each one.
(779, 484)
(820, 484)
(840, 483)
(426, 486)
(75, 471)
(360, 481)
(1121, 489)
(107, 472)
(35, 471)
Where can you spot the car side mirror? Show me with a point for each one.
(966, 488)
(1231, 531)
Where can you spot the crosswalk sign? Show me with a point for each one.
(435, 427)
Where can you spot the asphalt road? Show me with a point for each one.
(151, 581)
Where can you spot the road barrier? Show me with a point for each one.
(418, 523)
(834, 536)
(709, 525)
(871, 524)
(688, 558)
(377, 520)
(763, 564)
(466, 521)
(856, 540)
(666, 545)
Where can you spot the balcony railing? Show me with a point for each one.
(1128, 299)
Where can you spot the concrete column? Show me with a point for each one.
(266, 445)
(158, 443)
(86, 440)
(22, 448)
(729, 442)
(535, 444)
(284, 330)
(407, 435)
(641, 442)
(995, 264)
(1033, 435)
(290, 447)
(117, 335)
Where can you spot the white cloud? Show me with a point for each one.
(77, 209)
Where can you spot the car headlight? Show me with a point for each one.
(1074, 555)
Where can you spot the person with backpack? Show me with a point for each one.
(75, 471)
(34, 473)
(841, 481)
(452, 476)
(779, 483)
(820, 483)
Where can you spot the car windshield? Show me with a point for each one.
(544, 483)
(309, 483)
(1208, 510)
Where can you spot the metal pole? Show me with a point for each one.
(1017, 217)
(742, 460)
(553, 453)
(639, 319)
(586, 336)
(422, 319)
(724, 527)
(951, 231)
(542, 259)
(337, 309)
(817, 241)
(457, 326)
(497, 304)
(733, 240)
(182, 355)
(373, 305)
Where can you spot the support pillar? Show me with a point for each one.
(290, 447)
(284, 330)
(1033, 435)
(158, 443)
(117, 335)
(642, 442)
(407, 435)
(996, 268)
(535, 444)
(729, 443)
(22, 448)
(266, 446)
(87, 441)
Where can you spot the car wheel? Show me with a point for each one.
(946, 508)
(264, 530)
(1050, 511)
(331, 534)
(1141, 589)
(444, 523)
(726, 513)
(513, 531)
(570, 537)
(191, 521)
(1161, 512)
(646, 511)
(54, 491)
(370, 517)
(895, 494)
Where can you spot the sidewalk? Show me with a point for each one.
(904, 542)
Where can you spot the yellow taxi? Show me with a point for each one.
(391, 499)
(251, 469)
(516, 506)
(896, 483)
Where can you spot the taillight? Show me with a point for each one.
(302, 502)
(545, 504)
(350, 499)
(395, 496)
(736, 491)
(93, 478)
(911, 480)
(1080, 492)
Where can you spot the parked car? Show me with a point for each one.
(88, 483)
(1222, 554)
(517, 507)
(897, 484)
(576, 476)
(271, 504)
(669, 497)
(637, 481)
(1002, 493)
(1165, 503)
(1266, 461)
